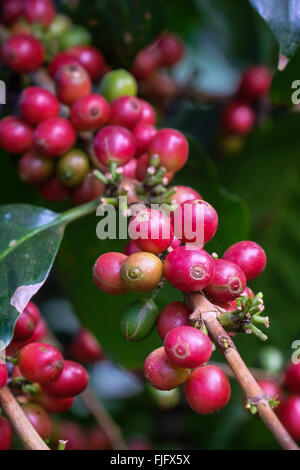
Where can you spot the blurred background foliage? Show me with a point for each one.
(256, 191)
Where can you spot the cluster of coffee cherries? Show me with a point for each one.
(39, 376)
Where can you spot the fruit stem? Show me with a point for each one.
(78, 212)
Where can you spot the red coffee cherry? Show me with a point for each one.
(71, 382)
(16, 136)
(228, 281)
(143, 163)
(53, 190)
(39, 419)
(143, 134)
(171, 50)
(23, 53)
(292, 378)
(162, 373)
(40, 362)
(85, 347)
(34, 168)
(52, 404)
(153, 229)
(249, 256)
(129, 170)
(40, 332)
(173, 315)
(146, 62)
(148, 115)
(37, 105)
(131, 248)
(5, 434)
(183, 194)
(27, 322)
(106, 273)
(72, 82)
(141, 272)
(189, 269)
(90, 59)
(271, 389)
(195, 221)
(125, 111)
(90, 112)
(248, 292)
(188, 347)
(289, 415)
(162, 86)
(61, 59)
(238, 118)
(3, 375)
(39, 11)
(255, 83)
(207, 390)
(11, 11)
(114, 144)
(54, 137)
(171, 147)
(88, 190)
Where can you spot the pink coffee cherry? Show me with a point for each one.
(148, 115)
(54, 137)
(37, 105)
(11, 11)
(289, 415)
(292, 378)
(129, 169)
(271, 389)
(238, 118)
(188, 347)
(125, 111)
(106, 273)
(72, 83)
(114, 144)
(255, 83)
(39, 11)
(61, 59)
(189, 269)
(71, 382)
(23, 53)
(173, 315)
(27, 322)
(131, 248)
(171, 147)
(228, 281)
(16, 136)
(90, 59)
(249, 256)
(143, 134)
(183, 194)
(90, 112)
(3, 375)
(171, 49)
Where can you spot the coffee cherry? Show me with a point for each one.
(85, 347)
(61, 59)
(27, 322)
(34, 168)
(52, 404)
(90, 59)
(90, 188)
(3, 375)
(139, 320)
(292, 378)
(11, 11)
(238, 118)
(161, 86)
(171, 50)
(39, 11)
(248, 292)
(23, 53)
(183, 194)
(16, 136)
(289, 415)
(143, 163)
(39, 419)
(143, 134)
(249, 256)
(129, 170)
(106, 273)
(131, 248)
(141, 272)
(5, 434)
(189, 269)
(228, 281)
(163, 374)
(21, 27)
(153, 229)
(72, 83)
(54, 137)
(118, 83)
(71, 382)
(73, 167)
(146, 61)
(125, 111)
(76, 36)
(187, 347)
(171, 147)
(173, 315)
(114, 144)
(37, 105)
(40, 332)
(40, 362)
(53, 190)
(148, 115)
(90, 112)
(271, 389)
(207, 390)
(59, 25)
(195, 221)
(255, 83)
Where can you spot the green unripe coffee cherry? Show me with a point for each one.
(271, 359)
(118, 83)
(139, 319)
(59, 25)
(77, 36)
(72, 167)
(165, 399)
(141, 272)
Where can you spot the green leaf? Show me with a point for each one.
(283, 17)
(282, 85)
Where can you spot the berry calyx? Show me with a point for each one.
(187, 347)
(163, 374)
(90, 188)
(34, 168)
(23, 53)
(289, 415)
(90, 59)
(255, 83)
(37, 105)
(89, 113)
(72, 167)
(125, 111)
(40, 362)
(114, 144)
(228, 281)
(151, 230)
(143, 134)
(249, 256)
(171, 147)
(141, 272)
(106, 273)
(71, 382)
(16, 136)
(72, 83)
(39, 11)
(207, 390)
(85, 347)
(54, 137)
(238, 118)
(172, 315)
(3, 375)
(26, 322)
(118, 83)
(39, 419)
(189, 269)
(52, 190)
(292, 378)
(5, 434)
